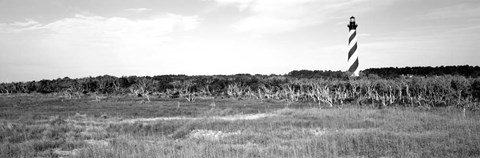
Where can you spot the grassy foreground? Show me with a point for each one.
(42, 126)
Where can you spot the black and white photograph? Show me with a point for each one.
(239, 78)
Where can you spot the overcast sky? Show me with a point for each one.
(48, 39)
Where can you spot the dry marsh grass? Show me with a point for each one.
(232, 129)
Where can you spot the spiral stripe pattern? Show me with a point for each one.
(352, 54)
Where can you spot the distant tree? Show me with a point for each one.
(123, 82)
(44, 86)
(163, 82)
(475, 87)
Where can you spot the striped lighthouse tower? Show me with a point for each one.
(352, 45)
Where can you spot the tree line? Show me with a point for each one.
(392, 72)
(322, 87)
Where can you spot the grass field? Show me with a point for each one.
(45, 126)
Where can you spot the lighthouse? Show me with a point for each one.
(352, 45)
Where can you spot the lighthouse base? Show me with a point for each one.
(353, 74)
(356, 74)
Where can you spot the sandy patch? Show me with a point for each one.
(316, 131)
(211, 134)
(62, 153)
(243, 117)
(156, 119)
(227, 118)
(97, 142)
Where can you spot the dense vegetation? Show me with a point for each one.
(323, 87)
(464, 70)
(394, 72)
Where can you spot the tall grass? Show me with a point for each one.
(309, 133)
(106, 129)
